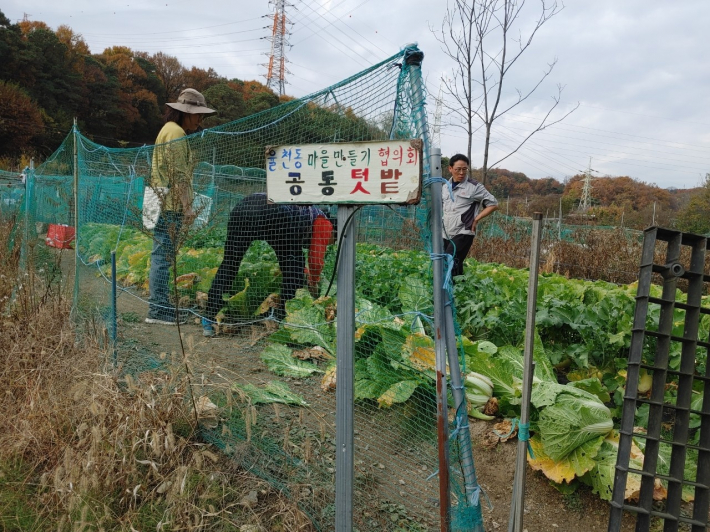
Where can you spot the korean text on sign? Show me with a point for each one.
(365, 172)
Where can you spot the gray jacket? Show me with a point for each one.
(469, 198)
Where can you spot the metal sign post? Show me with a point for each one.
(345, 371)
(349, 175)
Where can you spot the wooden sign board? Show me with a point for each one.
(387, 171)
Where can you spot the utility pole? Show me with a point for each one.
(437, 116)
(586, 200)
(276, 73)
(653, 220)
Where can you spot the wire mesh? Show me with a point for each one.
(258, 280)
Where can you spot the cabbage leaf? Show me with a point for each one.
(279, 359)
(272, 392)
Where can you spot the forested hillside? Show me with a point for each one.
(49, 77)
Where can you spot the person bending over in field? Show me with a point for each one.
(288, 229)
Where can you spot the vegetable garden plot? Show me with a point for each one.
(583, 334)
(101, 193)
(583, 330)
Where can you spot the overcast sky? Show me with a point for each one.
(638, 68)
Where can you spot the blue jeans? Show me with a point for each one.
(161, 258)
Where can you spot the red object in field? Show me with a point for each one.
(60, 236)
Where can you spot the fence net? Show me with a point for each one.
(242, 294)
(12, 191)
(250, 286)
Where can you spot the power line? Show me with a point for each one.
(605, 137)
(172, 31)
(567, 125)
(183, 39)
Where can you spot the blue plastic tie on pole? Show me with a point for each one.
(477, 491)
(459, 426)
(449, 267)
(523, 434)
(431, 180)
(475, 495)
(421, 315)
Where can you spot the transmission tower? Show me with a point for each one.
(436, 134)
(276, 73)
(586, 200)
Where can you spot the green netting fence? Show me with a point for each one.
(507, 227)
(270, 365)
(273, 350)
(12, 195)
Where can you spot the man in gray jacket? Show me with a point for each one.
(466, 202)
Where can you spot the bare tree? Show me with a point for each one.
(480, 36)
(171, 72)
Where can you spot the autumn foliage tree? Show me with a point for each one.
(138, 104)
(257, 96)
(228, 100)
(171, 72)
(20, 119)
(201, 79)
(695, 216)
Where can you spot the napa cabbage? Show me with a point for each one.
(574, 418)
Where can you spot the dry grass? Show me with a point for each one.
(592, 254)
(84, 448)
(608, 255)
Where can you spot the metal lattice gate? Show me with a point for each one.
(664, 349)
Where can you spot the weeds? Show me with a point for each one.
(84, 447)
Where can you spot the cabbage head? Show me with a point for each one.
(574, 418)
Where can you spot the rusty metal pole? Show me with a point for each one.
(437, 244)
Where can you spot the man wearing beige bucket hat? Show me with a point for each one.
(168, 199)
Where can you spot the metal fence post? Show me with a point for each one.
(413, 58)
(345, 370)
(437, 244)
(471, 486)
(114, 316)
(518, 499)
(75, 133)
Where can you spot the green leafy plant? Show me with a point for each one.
(279, 359)
(271, 392)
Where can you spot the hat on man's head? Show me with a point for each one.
(192, 102)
